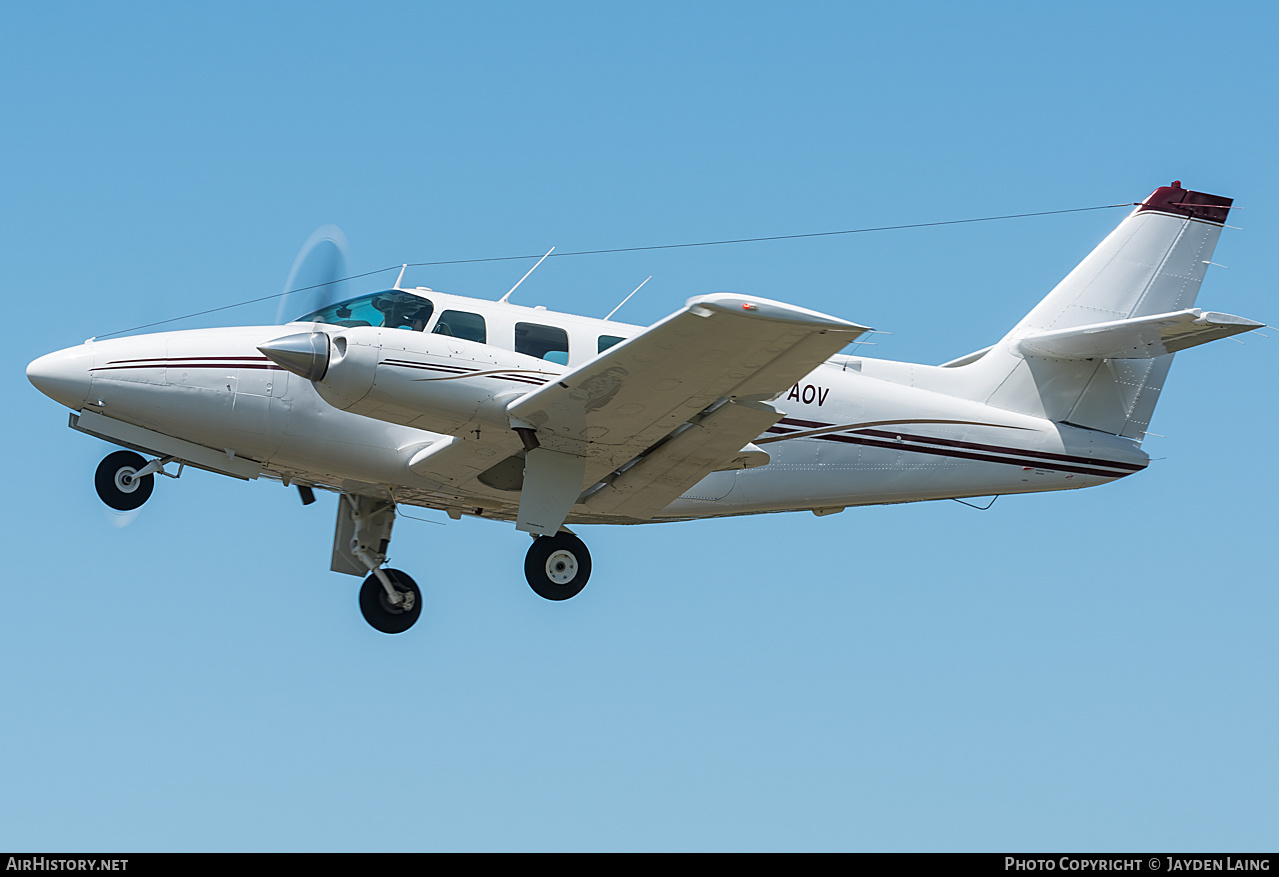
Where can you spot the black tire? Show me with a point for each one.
(557, 567)
(380, 612)
(115, 482)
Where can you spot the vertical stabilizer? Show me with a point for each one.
(1153, 263)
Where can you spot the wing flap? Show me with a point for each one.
(659, 477)
(454, 461)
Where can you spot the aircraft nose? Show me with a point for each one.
(64, 376)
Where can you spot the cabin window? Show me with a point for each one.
(391, 309)
(461, 324)
(544, 342)
(607, 341)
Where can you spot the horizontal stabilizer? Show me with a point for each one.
(1137, 337)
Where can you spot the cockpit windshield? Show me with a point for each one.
(391, 309)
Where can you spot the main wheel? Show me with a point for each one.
(384, 615)
(557, 567)
(117, 483)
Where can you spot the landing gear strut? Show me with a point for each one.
(390, 599)
(557, 567)
(124, 480)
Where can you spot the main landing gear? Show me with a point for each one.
(390, 600)
(376, 605)
(557, 567)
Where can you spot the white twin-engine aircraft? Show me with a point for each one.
(732, 405)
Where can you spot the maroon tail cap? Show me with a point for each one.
(1183, 202)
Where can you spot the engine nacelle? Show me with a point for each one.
(433, 382)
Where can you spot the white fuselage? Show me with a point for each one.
(855, 431)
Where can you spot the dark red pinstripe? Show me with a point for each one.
(964, 450)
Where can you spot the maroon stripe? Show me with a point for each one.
(1183, 202)
(445, 369)
(996, 449)
(458, 371)
(408, 363)
(211, 358)
(984, 458)
(521, 379)
(223, 366)
(434, 368)
(190, 359)
(518, 379)
(1045, 455)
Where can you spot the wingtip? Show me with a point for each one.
(754, 306)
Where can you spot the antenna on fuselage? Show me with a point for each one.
(628, 298)
(401, 277)
(525, 277)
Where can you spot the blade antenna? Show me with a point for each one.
(403, 268)
(525, 277)
(628, 298)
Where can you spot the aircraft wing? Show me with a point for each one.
(454, 461)
(672, 404)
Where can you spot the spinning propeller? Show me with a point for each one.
(315, 280)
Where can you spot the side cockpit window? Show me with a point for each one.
(391, 309)
(461, 324)
(607, 341)
(544, 342)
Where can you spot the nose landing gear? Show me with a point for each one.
(122, 480)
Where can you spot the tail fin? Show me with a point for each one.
(1096, 350)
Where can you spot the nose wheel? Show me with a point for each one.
(378, 609)
(118, 482)
(557, 567)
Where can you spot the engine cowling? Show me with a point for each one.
(429, 381)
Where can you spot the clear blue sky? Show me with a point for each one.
(1084, 671)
